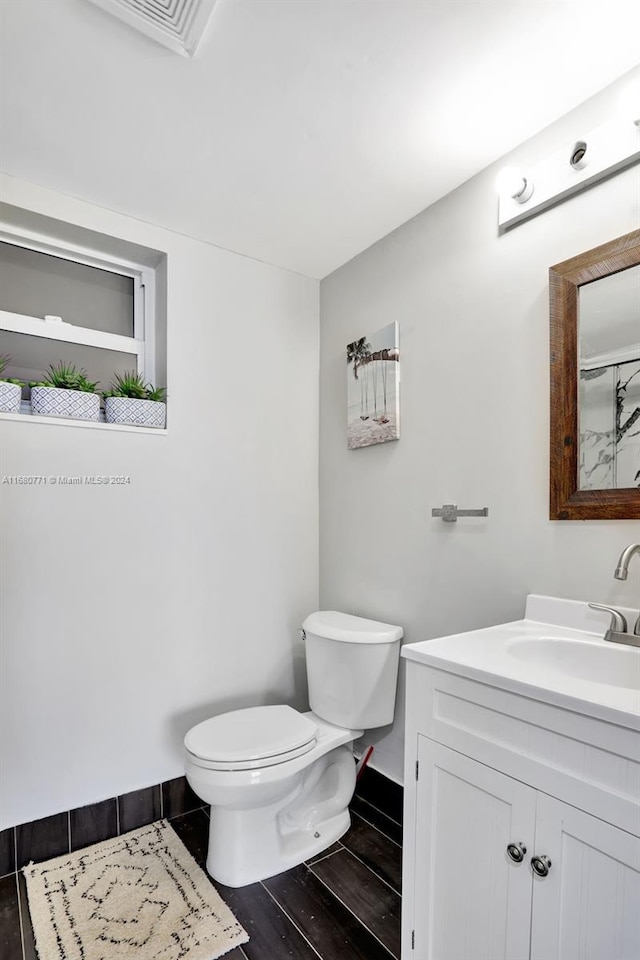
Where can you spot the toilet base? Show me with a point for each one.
(306, 814)
(233, 866)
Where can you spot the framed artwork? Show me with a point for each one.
(373, 388)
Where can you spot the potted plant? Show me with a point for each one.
(130, 400)
(65, 392)
(10, 389)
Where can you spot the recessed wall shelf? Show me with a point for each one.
(87, 424)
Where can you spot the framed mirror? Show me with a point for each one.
(595, 383)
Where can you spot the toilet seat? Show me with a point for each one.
(251, 738)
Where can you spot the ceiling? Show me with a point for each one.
(303, 130)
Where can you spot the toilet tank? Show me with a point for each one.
(352, 669)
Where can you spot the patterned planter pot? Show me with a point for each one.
(136, 413)
(55, 402)
(10, 396)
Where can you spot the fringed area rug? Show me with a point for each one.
(141, 895)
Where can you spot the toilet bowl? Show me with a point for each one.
(280, 782)
(272, 812)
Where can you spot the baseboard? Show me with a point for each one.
(381, 792)
(70, 830)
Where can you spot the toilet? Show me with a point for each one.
(280, 782)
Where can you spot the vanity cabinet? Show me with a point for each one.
(589, 904)
(493, 781)
(471, 902)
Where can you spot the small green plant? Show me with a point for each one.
(5, 360)
(66, 376)
(157, 394)
(131, 384)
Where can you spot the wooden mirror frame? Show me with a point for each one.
(567, 501)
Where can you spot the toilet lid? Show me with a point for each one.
(255, 733)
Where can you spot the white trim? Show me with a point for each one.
(612, 358)
(143, 343)
(88, 424)
(139, 317)
(69, 251)
(147, 363)
(68, 332)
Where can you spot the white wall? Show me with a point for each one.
(473, 313)
(131, 612)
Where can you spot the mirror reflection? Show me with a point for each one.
(609, 382)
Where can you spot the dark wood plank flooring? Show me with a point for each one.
(343, 904)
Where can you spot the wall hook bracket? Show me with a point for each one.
(449, 512)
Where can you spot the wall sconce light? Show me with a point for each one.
(578, 158)
(601, 152)
(511, 183)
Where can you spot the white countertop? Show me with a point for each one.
(504, 656)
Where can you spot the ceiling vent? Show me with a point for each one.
(176, 24)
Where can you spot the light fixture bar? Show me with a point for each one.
(586, 160)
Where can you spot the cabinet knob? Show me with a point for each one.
(516, 852)
(540, 866)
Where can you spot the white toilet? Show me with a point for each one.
(279, 782)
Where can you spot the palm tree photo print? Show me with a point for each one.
(373, 388)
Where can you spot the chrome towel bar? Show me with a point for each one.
(449, 512)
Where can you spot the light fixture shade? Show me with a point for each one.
(512, 183)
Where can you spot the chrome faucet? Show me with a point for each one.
(622, 572)
(617, 632)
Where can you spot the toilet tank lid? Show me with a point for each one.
(343, 626)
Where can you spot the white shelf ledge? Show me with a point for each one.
(87, 424)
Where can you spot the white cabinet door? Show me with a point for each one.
(472, 902)
(588, 906)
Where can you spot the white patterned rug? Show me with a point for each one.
(141, 895)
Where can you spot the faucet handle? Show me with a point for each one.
(618, 620)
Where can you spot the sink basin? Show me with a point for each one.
(556, 654)
(602, 662)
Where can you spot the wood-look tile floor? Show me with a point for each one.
(341, 905)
